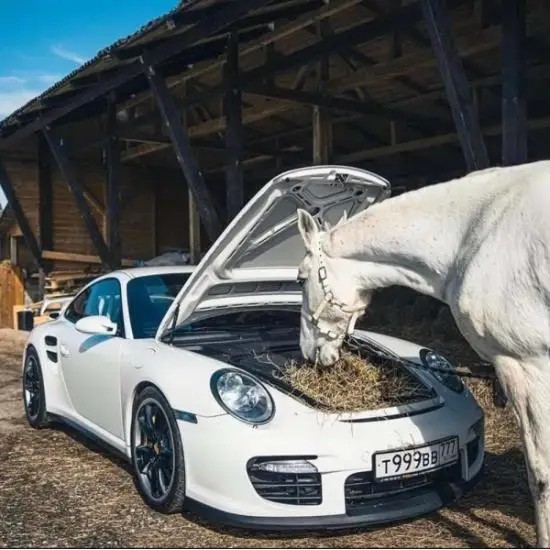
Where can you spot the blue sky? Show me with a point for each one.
(43, 40)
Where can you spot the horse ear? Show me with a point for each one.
(307, 226)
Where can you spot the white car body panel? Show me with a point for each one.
(95, 380)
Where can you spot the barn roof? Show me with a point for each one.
(113, 57)
(389, 111)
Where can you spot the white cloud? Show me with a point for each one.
(48, 79)
(11, 80)
(16, 90)
(64, 53)
(12, 100)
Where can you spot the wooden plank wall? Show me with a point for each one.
(172, 212)
(12, 292)
(154, 216)
(69, 231)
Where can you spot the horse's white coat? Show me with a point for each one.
(481, 244)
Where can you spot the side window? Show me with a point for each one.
(102, 298)
(76, 309)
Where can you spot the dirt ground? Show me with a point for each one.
(58, 489)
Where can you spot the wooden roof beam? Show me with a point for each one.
(182, 148)
(222, 18)
(340, 104)
(430, 142)
(458, 90)
(383, 71)
(205, 49)
(484, 40)
(535, 73)
(333, 8)
(358, 34)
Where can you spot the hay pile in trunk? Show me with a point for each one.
(354, 383)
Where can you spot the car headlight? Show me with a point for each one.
(242, 396)
(438, 365)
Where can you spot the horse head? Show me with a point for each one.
(332, 300)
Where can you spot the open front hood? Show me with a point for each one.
(261, 248)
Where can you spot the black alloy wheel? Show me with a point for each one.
(157, 454)
(34, 397)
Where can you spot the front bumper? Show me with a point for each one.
(379, 511)
(218, 450)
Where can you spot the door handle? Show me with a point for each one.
(63, 350)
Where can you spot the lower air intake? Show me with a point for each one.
(361, 488)
(294, 481)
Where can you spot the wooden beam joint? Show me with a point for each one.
(58, 149)
(182, 149)
(459, 93)
(234, 130)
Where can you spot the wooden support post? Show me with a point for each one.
(194, 230)
(396, 49)
(234, 129)
(20, 217)
(45, 195)
(322, 128)
(182, 148)
(194, 222)
(69, 173)
(45, 209)
(514, 120)
(457, 88)
(111, 156)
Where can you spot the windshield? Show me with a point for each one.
(149, 299)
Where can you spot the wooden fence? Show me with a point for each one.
(12, 293)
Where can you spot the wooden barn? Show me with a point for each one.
(156, 142)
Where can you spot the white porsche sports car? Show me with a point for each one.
(168, 366)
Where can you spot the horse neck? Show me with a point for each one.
(411, 240)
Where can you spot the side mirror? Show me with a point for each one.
(54, 315)
(96, 324)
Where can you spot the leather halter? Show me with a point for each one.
(328, 299)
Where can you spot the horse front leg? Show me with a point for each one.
(527, 386)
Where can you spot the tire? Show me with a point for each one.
(157, 452)
(34, 396)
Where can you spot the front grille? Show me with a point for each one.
(361, 488)
(301, 489)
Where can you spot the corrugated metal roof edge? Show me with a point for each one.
(140, 33)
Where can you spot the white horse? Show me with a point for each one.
(481, 244)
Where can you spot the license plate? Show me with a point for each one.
(410, 462)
